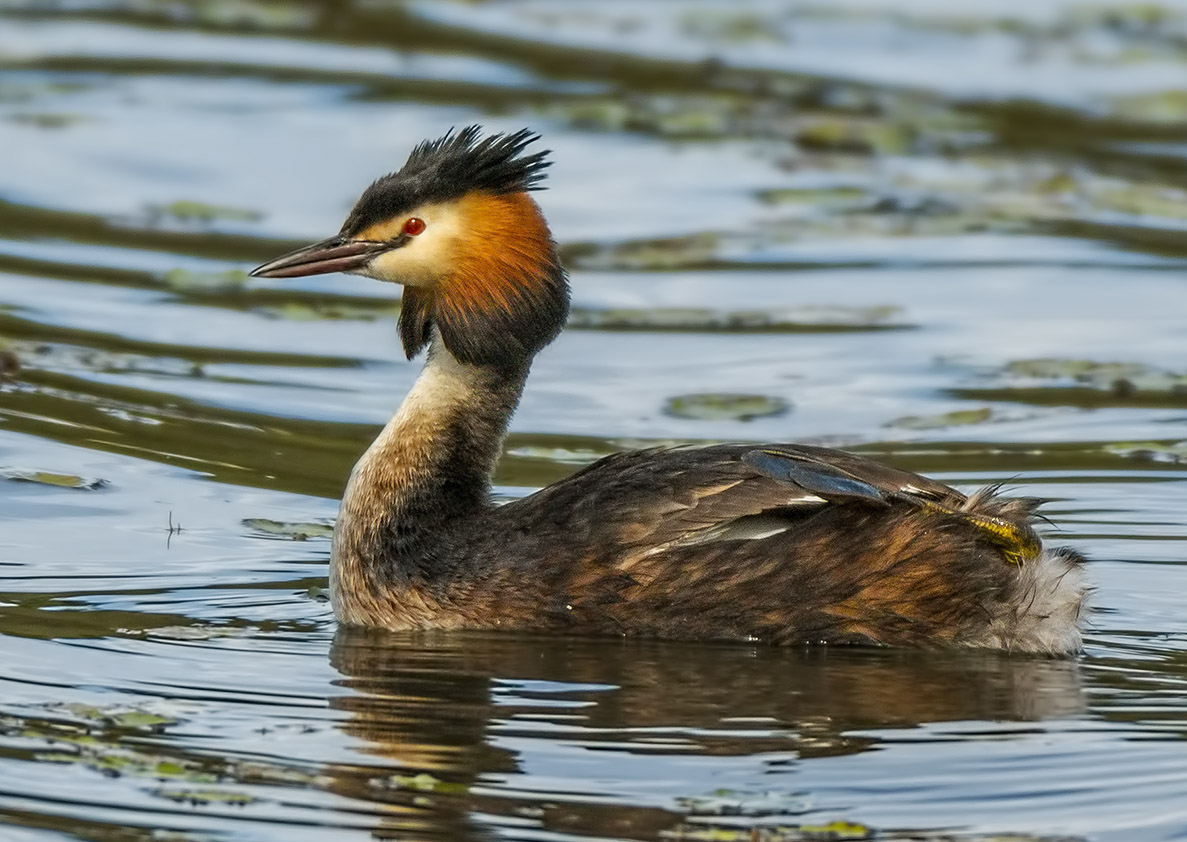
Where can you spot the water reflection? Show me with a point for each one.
(472, 712)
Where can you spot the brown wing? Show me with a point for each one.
(642, 501)
(782, 541)
(647, 500)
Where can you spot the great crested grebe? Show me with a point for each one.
(779, 543)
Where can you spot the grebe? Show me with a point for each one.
(779, 543)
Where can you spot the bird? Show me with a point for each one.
(776, 543)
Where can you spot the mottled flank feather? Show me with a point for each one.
(901, 572)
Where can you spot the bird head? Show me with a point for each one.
(456, 227)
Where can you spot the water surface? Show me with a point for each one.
(953, 240)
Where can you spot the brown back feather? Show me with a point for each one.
(627, 546)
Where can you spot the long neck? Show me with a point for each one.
(423, 478)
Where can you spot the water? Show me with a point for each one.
(955, 241)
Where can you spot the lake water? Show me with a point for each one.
(953, 239)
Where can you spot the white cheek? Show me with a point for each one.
(423, 260)
(406, 265)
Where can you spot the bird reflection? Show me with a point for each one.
(444, 706)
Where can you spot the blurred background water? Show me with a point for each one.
(950, 235)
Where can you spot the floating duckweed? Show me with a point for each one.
(1060, 184)
(190, 211)
(1053, 368)
(186, 281)
(118, 717)
(937, 201)
(694, 833)
(251, 771)
(23, 92)
(56, 757)
(729, 27)
(728, 802)
(1150, 451)
(686, 117)
(106, 741)
(855, 137)
(593, 114)
(199, 631)
(303, 311)
(295, 531)
(423, 782)
(1168, 106)
(54, 479)
(100, 742)
(245, 13)
(838, 831)
(713, 120)
(665, 253)
(206, 797)
(725, 406)
(819, 196)
(1136, 18)
(956, 418)
(140, 719)
(1144, 200)
(693, 319)
(835, 831)
(1123, 379)
(558, 455)
(43, 120)
(58, 356)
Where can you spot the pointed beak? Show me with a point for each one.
(337, 254)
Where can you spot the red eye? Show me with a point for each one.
(414, 226)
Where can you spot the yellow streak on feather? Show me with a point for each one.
(1017, 541)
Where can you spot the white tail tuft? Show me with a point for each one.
(1043, 612)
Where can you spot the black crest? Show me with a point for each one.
(448, 168)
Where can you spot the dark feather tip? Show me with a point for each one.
(822, 480)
